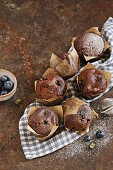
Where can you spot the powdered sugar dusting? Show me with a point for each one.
(80, 147)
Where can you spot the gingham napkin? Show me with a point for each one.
(33, 148)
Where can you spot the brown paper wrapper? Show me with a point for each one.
(71, 106)
(106, 74)
(55, 100)
(95, 31)
(68, 67)
(59, 112)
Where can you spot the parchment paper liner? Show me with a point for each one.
(59, 112)
(55, 100)
(106, 74)
(95, 31)
(72, 108)
(66, 68)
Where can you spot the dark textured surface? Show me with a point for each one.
(30, 30)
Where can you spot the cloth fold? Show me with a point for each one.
(33, 148)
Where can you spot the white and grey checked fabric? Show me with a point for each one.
(33, 148)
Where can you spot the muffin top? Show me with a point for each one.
(50, 86)
(89, 44)
(42, 120)
(91, 82)
(79, 121)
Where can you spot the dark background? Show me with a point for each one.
(30, 30)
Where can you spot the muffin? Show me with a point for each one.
(50, 86)
(42, 120)
(91, 83)
(80, 120)
(77, 115)
(89, 44)
(65, 64)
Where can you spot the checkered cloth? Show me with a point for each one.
(31, 146)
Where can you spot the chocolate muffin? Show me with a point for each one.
(91, 83)
(50, 86)
(42, 120)
(89, 44)
(79, 121)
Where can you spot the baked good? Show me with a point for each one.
(91, 83)
(66, 64)
(89, 44)
(42, 120)
(77, 115)
(50, 86)
(79, 121)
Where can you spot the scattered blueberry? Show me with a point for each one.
(17, 101)
(4, 78)
(100, 134)
(92, 145)
(9, 85)
(87, 138)
(3, 92)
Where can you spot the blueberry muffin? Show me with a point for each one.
(42, 120)
(50, 86)
(89, 44)
(79, 121)
(91, 83)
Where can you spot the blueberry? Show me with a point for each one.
(87, 138)
(44, 78)
(100, 134)
(1, 82)
(0, 87)
(50, 89)
(4, 78)
(8, 85)
(4, 92)
(45, 122)
(56, 124)
(58, 83)
(3, 88)
(92, 145)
